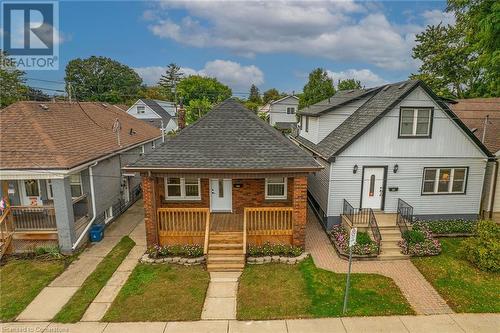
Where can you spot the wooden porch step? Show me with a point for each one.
(226, 258)
(225, 251)
(215, 246)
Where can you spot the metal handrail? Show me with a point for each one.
(372, 223)
(404, 216)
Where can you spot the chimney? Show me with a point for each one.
(181, 117)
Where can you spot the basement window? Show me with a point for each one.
(276, 188)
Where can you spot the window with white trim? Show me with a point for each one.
(415, 122)
(182, 188)
(290, 110)
(32, 188)
(75, 183)
(276, 188)
(108, 214)
(141, 109)
(444, 180)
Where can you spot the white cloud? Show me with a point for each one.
(231, 73)
(366, 76)
(436, 16)
(320, 28)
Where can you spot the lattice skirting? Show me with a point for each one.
(25, 245)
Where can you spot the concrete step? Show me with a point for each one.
(391, 237)
(393, 257)
(224, 276)
(225, 267)
(388, 227)
(390, 246)
(226, 258)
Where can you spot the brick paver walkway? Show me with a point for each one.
(420, 294)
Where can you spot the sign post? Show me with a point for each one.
(352, 242)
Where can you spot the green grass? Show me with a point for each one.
(161, 293)
(277, 291)
(80, 301)
(464, 287)
(21, 280)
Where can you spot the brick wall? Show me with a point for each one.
(252, 194)
(299, 211)
(203, 203)
(148, 194)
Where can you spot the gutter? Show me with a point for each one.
(92, 193)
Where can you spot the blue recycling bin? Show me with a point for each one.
(96, 232)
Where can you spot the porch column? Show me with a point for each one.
(65, 219)
(299, 211)
(149, 198)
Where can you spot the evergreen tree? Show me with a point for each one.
(170, 80)
(254, 96)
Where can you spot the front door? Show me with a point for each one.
(221, 195)
(30, 192)
(373, 188)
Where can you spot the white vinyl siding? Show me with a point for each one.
(280, 112)
(317, 184)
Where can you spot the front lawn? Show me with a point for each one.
(21, 280)
(276, 291)
(161, 293)
(74, 310)
(464, 287)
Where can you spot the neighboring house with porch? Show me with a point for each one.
(393, 149)
(282, 112)
(61, 169)
(482, 116)
(160, 114)
(226, 181)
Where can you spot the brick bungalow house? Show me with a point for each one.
(226, 181)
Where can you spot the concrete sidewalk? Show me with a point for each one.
(53, 297)
(476, 323)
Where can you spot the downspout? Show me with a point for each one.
(92, 193)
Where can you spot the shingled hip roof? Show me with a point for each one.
(229, 138)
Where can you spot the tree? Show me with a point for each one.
(153, 92)
(12, 87)
(197, 108)
(462, 60)
(319, 87)
(101, 79)
(254, 95)
(199, 87)
(170, 80)
(348, 84)
(37, 95)
(272, 95)
(252, 106)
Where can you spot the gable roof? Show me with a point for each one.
(63, 135)
(283, 98)
(157, 108)
(229, 138)
(473, 113)
(341, 98)
(384, 99)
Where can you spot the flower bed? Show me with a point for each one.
(277, 258)
(448, 227)
(364, 247)
(184, 251)
(419, 242)
(146, 259)
(269, 249)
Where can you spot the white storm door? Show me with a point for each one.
(373, 188)
(221, 195)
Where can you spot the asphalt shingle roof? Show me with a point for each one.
(340, 98)
(230, 137)
(383, 99)
(62, 135)
(157, 108)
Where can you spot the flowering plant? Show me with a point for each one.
(341, 238)
(429, 246)
(186, 251)
(442, 227)
(268, 249)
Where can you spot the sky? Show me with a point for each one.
(269, 43)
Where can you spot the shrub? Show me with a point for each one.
(364, 244)
(268, 249)
(483, 250)
(443, 227)
(414, 236)
(50, 252)
(186, 251)
(414, 245)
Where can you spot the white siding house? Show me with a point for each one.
(282, 113)
(161, 114)
(383, 150)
